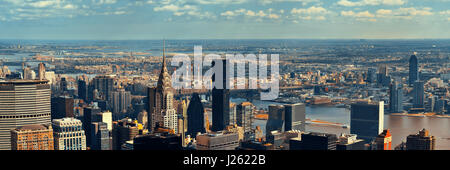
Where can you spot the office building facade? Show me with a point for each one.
(295, 116)
(367, 120)
(195, 116)
(22, 102)
(413, 70)
(421, 141)
(220, 97)
(395, 98)
(68, 134)
(218, 141)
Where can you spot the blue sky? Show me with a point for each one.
(224, 19)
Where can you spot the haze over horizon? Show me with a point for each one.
(224, 19)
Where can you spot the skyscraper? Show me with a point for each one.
(41, 74)
(419, 94)
(276, 119)
(295, 116)
(89, 117)
(62, 107)
(421, 141)
(82, 89)
(395, 98)
(104, 85)
(100, 136)
(244, 116)
(367, 120)
(220, 98)
(120, 103)
(413, 70)
(161, 109)
(32, 137)
(22, 102)
(69, 134)
(195, 116)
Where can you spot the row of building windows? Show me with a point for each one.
(24, 116)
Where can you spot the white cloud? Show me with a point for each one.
(349, 3)
(400, 13)
(311, 13)
(310, 10)
(250, 14)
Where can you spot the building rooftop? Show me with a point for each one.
(21, 81)
(32, 127)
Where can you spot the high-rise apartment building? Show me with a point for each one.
(120, 103)
(244, 116)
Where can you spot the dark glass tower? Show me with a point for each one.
(196, 116)
(82, 90)
(276, 119)
(62, 107)
(220, 100)
(395, 98)
(419, 94)
(295, 117)
(89, 118)
(413, 70)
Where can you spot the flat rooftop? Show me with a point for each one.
(21, 81)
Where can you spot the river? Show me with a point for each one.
(400, 126)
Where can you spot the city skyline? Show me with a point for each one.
(219, 19)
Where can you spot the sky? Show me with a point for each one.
(224, 19)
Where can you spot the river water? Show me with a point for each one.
(400, 126)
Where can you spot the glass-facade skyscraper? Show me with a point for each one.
(395, 98)
(419, 94)
(413, 70)
(220, 99)
(295, 116)
(367, 120)
(195, 116)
